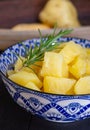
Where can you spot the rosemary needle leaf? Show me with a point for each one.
(46, 44)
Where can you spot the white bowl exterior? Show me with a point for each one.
(57, 108)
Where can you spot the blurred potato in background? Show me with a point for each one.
(30, 26)
(29, 11)
(60, 12)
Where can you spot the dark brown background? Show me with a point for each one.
(13, 12)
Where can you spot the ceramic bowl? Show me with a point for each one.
(52, 107)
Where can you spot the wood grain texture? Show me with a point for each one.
(17, 11)
(13, 12)
(83, 8)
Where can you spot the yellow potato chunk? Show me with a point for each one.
(88, 51)
(19, 64)
(82, 86)
(30, 26)
(10, 72)
(23, 77)
(88, 67)
(37, 66)
(78, 67)
(32, 85)
(60, 47)
(88, 61)
(34, 68)
(27, 69)
(58, 85)
(71, 91)
(71, 51)
(54, 65)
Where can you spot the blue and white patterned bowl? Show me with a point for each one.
(52, 107)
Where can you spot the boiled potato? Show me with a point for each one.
(60, 47)
(78, 67)
(27, 69)
(88, 51)
(19, 64)
(54, 65)
(88, 66)
(60, 12)
(32, 85)
(37, 67)
(30, 26)
(83, 85)
(23, 77)
(58, 85)
(70, 51)
(10, 72)
(88, 61)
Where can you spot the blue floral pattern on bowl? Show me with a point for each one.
(57, 108)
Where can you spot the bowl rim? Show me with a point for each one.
(68, 95)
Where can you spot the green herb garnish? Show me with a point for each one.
(50, 43)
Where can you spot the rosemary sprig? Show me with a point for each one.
(48, 44)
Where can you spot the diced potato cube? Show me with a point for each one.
(88, 51)
(27, 69)
(78, 67)
(71, 51)
(37, 66)
(60, 47)
(88, 61)
(32, 85)
(19, 64)
(10, 72)
(71, 91)
(82, 86)
(88, 67)
(54, 65)
(58, 85)
(34, 68)
(23, 77)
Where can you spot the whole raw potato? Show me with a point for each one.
(60, 12)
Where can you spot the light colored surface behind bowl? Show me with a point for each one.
(9, 37)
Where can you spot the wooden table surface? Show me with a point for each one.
(13, 12)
